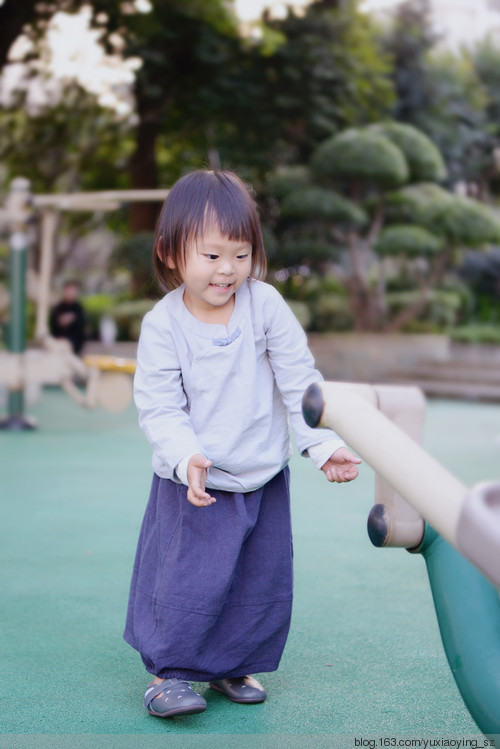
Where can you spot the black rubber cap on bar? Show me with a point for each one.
(378, 525)
(312, 405)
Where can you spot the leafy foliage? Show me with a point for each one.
(310, 250)
(442, 308)
(361, 155)
(320, 203)
(135, 253)
(460, 221)
(286, 180)
(408, 41)
(439, 93)
(476, 333)
(454, 115)
(486, 63)
(366, 236)
(423, 158)
(410, 241)
(481, 272)
(73, 145)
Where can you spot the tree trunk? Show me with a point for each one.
(364, 302)
(143, 170)
(413, 310)
(13, 16)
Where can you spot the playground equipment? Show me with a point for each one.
(17, 214)
(424, 508)
(103, 381)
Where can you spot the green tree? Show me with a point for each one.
(73, 145)
(180, 44)
(16, 17)
(368, 207)
(183, 45)
(205, 94)
(328, 73)
(408, 40)
(437, 92)
(454, 116)
(486, 62)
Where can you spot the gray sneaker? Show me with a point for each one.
(173, 697)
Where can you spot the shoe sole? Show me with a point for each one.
(233, 699)
(178, 711)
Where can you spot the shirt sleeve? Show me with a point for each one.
(160, 397)
(319, 454)
(294, 371)
(181, 470)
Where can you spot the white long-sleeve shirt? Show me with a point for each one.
(227, 393)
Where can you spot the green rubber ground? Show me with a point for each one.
(364, 660)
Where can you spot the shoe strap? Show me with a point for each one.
(157, 689)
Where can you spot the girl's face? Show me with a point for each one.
(214, 270)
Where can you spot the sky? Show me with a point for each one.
(250, 10)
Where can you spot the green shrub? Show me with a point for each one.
(301, 311)
(331, 312)
(361, 155)
(128, 317)
(442, 309)
(461, 221)
(424, 160)
(288, 179)
(135, 253)
(487, 309)
(411, 241)
(319, 203)
(310, 288)
(96, 306)
(298, 251)
(476, 334)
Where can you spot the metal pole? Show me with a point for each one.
(16, 208)
(49, 225)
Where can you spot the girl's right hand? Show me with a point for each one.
(197, 476)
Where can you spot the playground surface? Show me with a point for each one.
(364, 659)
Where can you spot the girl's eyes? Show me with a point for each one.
(210, 256)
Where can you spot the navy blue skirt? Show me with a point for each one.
(211, 591)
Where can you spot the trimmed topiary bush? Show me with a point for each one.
(410, 241)
(423, 158)
(361, 155)
(317, 202)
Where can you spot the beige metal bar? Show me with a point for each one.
(405, 407)
(105, 200)
(432, 490)
(48, 234)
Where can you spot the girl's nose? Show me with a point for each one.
(226, 267)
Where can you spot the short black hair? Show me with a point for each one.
(196, 201)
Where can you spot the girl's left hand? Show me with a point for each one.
(197, 475)
(341, 466)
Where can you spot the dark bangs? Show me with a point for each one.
(195, 203)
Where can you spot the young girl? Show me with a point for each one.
(222, 365)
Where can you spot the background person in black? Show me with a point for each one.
(67, 318)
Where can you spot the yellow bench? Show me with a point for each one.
(108, 363)
(109, 384)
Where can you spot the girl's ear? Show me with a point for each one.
(164, 257)
(170, 262)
